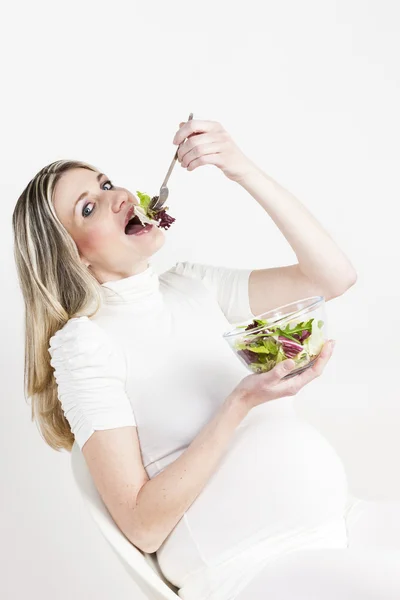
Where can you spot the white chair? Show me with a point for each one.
(142, 567)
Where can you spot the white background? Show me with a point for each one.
(311, 92)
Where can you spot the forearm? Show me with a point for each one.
(163, 500)
(319, 257)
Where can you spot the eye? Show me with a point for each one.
(105, 183)
(86, 205)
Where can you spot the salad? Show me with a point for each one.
(152, 217)
(270, 345)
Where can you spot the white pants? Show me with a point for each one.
(369, 569)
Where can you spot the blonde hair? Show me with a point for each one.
(56, 287)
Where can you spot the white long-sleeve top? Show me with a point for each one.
(154, 357)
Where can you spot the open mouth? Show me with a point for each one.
(133, 226)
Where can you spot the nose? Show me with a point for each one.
(122, 200)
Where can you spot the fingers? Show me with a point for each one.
(316, 370)
(192, 146)
(194, 126)
(322, 359)
(293, 385)
(280, 370)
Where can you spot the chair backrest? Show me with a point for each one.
(142, 567)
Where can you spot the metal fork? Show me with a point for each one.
(157, 203)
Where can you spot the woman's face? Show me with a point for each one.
(96, 222)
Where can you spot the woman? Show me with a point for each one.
(196, 460)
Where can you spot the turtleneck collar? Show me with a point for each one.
(133, 289)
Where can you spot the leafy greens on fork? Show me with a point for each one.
(153, 217)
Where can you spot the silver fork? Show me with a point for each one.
(157, 203)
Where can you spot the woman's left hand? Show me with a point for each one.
(209, 144)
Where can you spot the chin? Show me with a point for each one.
(160, 233)
(157, 235)
(155, 242)
(157, 232)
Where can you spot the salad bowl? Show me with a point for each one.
(296, 330)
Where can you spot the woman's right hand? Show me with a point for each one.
(258, 388)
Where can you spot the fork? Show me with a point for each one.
(157, 202)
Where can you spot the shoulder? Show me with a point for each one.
(205, 271)
(91, 379)
(80, 341)
(221, 280)
(78, 332)
(190, 279)
(186, 271)
(193, 270)
(229, 286)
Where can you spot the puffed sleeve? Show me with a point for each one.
(90, 376)
(229, 285)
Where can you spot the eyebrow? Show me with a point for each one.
(99, 176)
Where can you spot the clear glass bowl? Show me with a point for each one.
(296, 330)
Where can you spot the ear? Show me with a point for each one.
(85, 262)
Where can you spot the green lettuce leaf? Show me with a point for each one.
(144, 200)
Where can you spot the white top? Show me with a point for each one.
(154, 357)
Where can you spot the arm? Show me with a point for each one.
(91, 390)
(146, 510)
(322, 269)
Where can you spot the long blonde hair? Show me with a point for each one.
(56, 287)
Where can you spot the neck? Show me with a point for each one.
(106, 276)
(140, 288)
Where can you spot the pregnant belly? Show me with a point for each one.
(279, 474)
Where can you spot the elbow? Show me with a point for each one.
(145, 532)
(148, 546)
(352, 278)
(349, 280)
(145, 545)
(150, 543)
(154, 541)
(151, 549)
(346, 282)
(145, 541)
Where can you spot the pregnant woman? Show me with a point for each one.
(195, 459)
